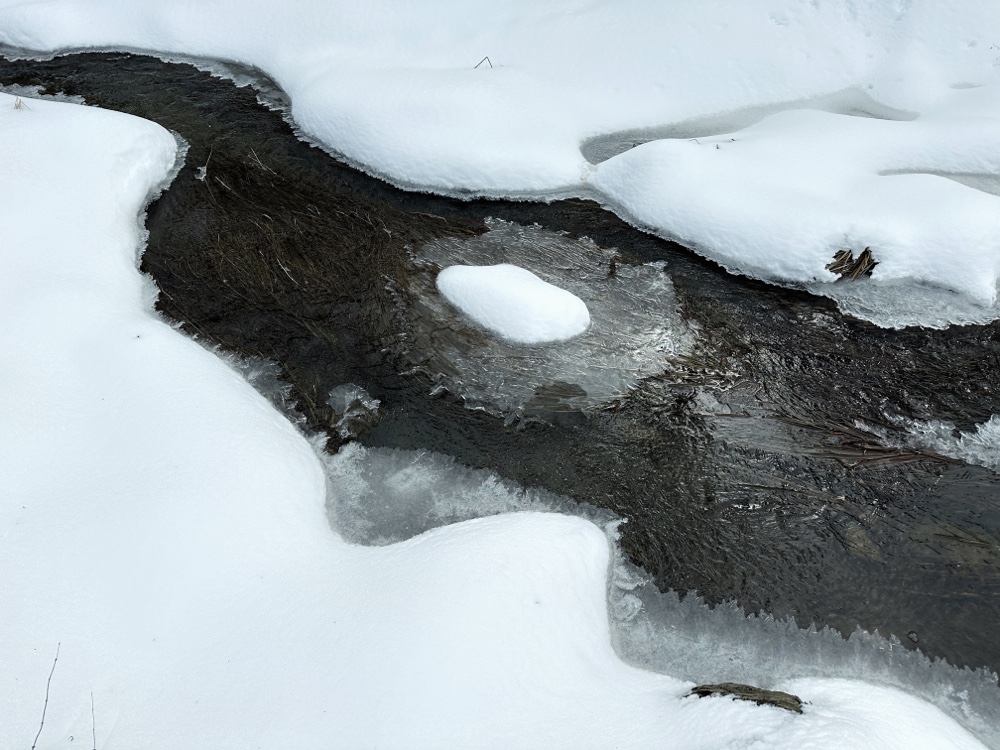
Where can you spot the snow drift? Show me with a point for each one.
(164, 528)
(776, 133)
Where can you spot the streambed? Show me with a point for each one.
(766, 462)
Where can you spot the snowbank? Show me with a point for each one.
(164, 526)
(514, 303)
(782, 131)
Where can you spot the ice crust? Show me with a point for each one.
(164, 526)
(513, 303)
(773, 134)
(982, 446)
(635, 328)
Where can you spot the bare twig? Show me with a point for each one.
(93, 719)
(45, 707)
(484, 60)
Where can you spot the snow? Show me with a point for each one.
(818, 126)
(514, 303)
(636, 328)
(164, 527)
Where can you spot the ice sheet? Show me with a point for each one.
(635, 327)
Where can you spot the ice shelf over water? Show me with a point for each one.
(772, 134)
(164, 532)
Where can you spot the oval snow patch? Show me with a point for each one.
(514, 303)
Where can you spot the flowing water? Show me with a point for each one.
(757, 441)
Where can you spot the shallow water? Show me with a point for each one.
(761, 465)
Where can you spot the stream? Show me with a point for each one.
(758, 442)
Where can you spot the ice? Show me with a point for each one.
(379, 496)
(635, 327)
(817, 126)
(164, 526)
(980, 447)
(354, 409)
(514, 303)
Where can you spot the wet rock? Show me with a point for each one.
(354, 409)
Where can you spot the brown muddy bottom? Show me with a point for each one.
(763, 464)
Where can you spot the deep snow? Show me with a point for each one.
(166, 526)
(775, 133)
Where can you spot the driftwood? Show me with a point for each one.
(849, 268)
(757, 695)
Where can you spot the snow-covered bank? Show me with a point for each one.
(166, 526)
(782, 132)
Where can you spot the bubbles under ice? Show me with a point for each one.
(635, 331)
(379, 496)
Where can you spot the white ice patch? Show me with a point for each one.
(514, 303)
(35, 92)
(379, 496)
(635, 326)
(981, 447)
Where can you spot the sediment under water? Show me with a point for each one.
(758, 467)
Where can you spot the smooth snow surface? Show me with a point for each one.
(773, 133)
(164, 527)
(514, 303)
(381, 496)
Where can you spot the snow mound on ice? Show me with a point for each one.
(514, 303)
(636, 328)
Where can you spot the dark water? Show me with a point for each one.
(770, 496)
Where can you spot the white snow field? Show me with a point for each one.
(514, 303)
(162, 528)
(775, 132)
